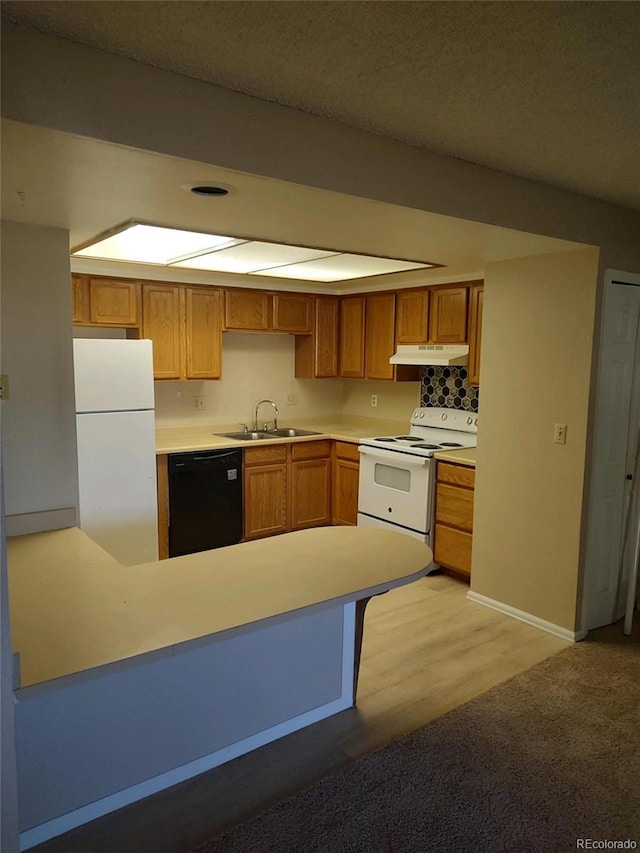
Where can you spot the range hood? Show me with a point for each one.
(443, 354)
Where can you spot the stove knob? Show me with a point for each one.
(475, 423)
(469, 421)
(443, 416)
(421, 414)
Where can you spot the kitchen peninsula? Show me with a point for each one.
(133, 679)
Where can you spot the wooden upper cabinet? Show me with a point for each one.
(352, 323)
(412, 315)
(475, 332)
(262, 311)
(77, 299)
(292, 312)
(114, 302)
(247, 310)
(161, 321)
(317, 353)
(203, 333)
(448, 314)
(380, 335)
(185, 325)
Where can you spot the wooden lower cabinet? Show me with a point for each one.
(266, 491)
(346, 472)
(453, 536)
(310, 484)
(286, 487)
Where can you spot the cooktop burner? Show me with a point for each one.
(428, 427)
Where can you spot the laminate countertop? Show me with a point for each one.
(206, 437)
(73, 607)
(461, 456)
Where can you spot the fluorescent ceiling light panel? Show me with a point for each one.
(137, 242)
(252, 257)
(151, 244)
(341, 267)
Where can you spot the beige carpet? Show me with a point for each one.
(549, 757)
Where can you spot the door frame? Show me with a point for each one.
(612, 278)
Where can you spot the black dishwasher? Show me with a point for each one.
(205, 500)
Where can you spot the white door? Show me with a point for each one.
(617, 421)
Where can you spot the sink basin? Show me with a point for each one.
(290, 433)
(286, 432)
(246, 436)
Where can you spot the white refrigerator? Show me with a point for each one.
(116, 446)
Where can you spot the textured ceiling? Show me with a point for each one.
(545, 90)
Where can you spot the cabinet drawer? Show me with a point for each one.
(310, 450)
(262, 455)
(458, 475)
(346, 450)
(452, 549)
(454, 506)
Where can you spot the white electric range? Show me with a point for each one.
(397, 473)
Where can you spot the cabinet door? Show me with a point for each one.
(412, 315)
(247, 310)
(352, 336)
(265, 500)
(161, 323)
(346, 473)
(78, 300)
(203, 317)
(113, 302)
(310, 493)
(380, 335)
(291, 312)
(475, 333)
(448, 315)
(317, 353)
(452, 548)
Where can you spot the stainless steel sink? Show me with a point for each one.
(245, 436)
(273, 433)
(290, 433)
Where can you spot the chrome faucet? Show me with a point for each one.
(275, 419)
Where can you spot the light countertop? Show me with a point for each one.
(351, 429)
(461, 456)
(73, 607)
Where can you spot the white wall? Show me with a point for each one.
(38, 419)
(254, 367)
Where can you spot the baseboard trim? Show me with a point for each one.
(529, 618)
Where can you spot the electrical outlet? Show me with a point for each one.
(199, 403)
(292, 399)
(560, 434)
(374, 400)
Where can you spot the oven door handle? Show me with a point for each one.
(390, 456)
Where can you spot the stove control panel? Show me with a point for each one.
(455, 419)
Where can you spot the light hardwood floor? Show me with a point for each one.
(426, 650)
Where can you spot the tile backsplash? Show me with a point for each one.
(448, 387)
